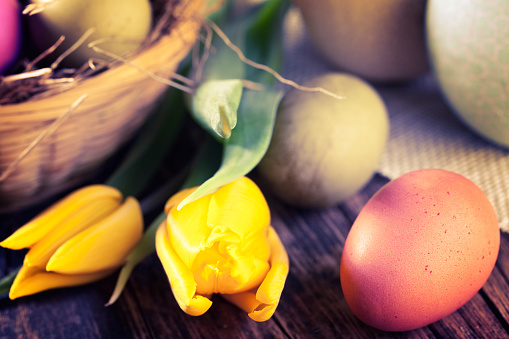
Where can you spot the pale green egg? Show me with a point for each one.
(468, 44)
(122, 25)
(324, 149)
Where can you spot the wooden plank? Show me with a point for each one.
(153, 312)
(474, 320)
(496, 293)
(503, 255)
(312, 304)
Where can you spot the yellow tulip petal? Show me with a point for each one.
(223, 243)
(103, 246)
(215, 276)
(263, 312)
(197, 306)
(261, 305)
(188, 230)
(257, 245)
(177, 198)
(225, 266)
(38, 227)
(272, 286)
(180, 276)
(252, 273)
(23, 273)
(80, 220)
(240, 206)
(254, 308)
(250, 261)
(32, 280)
(246, 301)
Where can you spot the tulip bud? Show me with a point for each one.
(223, 243)
(82, 238)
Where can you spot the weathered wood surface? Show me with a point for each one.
(312, 304)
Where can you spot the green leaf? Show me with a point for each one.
(215, 104)
(248, 142)
(264, 40)
(222, 13)
(224, 63)
(259, 33)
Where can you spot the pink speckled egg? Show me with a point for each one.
(420, 248)
(10, 33)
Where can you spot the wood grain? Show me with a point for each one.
(312, 304)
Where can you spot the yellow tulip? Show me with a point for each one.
(223, 243)
(81, 239)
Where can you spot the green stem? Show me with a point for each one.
(151, 146)
(6, 282)
(144, 248)
(156, 199)
(205, 164)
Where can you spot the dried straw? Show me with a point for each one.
(63, 126)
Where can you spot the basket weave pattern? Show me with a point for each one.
(117, 102)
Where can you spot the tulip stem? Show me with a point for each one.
(6, 282)
(155, 200)
(205, 163)
(144, 248)
(152, 144)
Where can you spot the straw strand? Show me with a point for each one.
(48, 131)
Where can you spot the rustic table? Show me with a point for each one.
(312, 304)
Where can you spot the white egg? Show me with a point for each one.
(377, 40)
(469, 50)
(123, 23)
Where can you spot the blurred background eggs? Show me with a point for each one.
(381, 40)
(125, 24)
(10, 33)
(469, 51)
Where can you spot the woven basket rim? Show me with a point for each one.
(26, 116)
(180, 13)
(143, 58)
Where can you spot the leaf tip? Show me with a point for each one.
(123, 277)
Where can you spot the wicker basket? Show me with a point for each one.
(46, 146)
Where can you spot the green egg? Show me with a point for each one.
(324, 149)
(468, 43)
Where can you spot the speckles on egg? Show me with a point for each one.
(414, 250)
